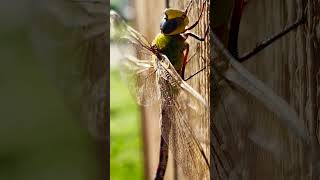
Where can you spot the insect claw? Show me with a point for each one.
(188, 6)
(195, 24)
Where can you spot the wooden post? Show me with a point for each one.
(265, 148)
(148, 17)
(149, 14)
(200, 53)
(255, 144)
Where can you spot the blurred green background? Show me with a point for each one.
(126, 144)
(126, 159)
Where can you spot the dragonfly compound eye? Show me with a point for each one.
(174, 22)
(168, 26)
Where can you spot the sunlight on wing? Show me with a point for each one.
(141, 79)
(150, 79)
(88, 55)
(140, 74)
(177, 132)
(176, 79)
(242, 78)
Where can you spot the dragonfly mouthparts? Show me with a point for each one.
(156, 51)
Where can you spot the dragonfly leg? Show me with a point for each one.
(188, 6)
(196, 36)
(196, 23)
(263, 44)
(195, 73)
(194, 54)
(185, 60)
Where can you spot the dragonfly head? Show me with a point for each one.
(174, 21)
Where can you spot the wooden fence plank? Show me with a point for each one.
(290, 68)
(148, 17)
(259, 146)
(199, 51)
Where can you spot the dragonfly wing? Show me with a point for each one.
(96, 7)
(181, 139)
(239, 133)
(175, 79)
(87, 88)
(141, 79)
(234, 134)
(239, 76)
(128, 34)
(272, 101)
(180, 104)
(150, 78)
(140, 74)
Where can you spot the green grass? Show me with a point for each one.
(125, 132)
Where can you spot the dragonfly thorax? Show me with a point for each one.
(172, 46)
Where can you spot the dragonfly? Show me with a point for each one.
(158, 75)
(235, 75)
(166, 81)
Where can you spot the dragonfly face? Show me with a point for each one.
(174, 22)
(174, 32)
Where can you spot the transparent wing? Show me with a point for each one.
(149, 79)
(138, 73)
(168, 72)
(244, 134)
(86, 80)
(141, 78)
(127, 35)
(180, 103)
(239, 76)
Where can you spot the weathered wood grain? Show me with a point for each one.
(199, 51)
(259, 146)
(148, 17)
(290, 68)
